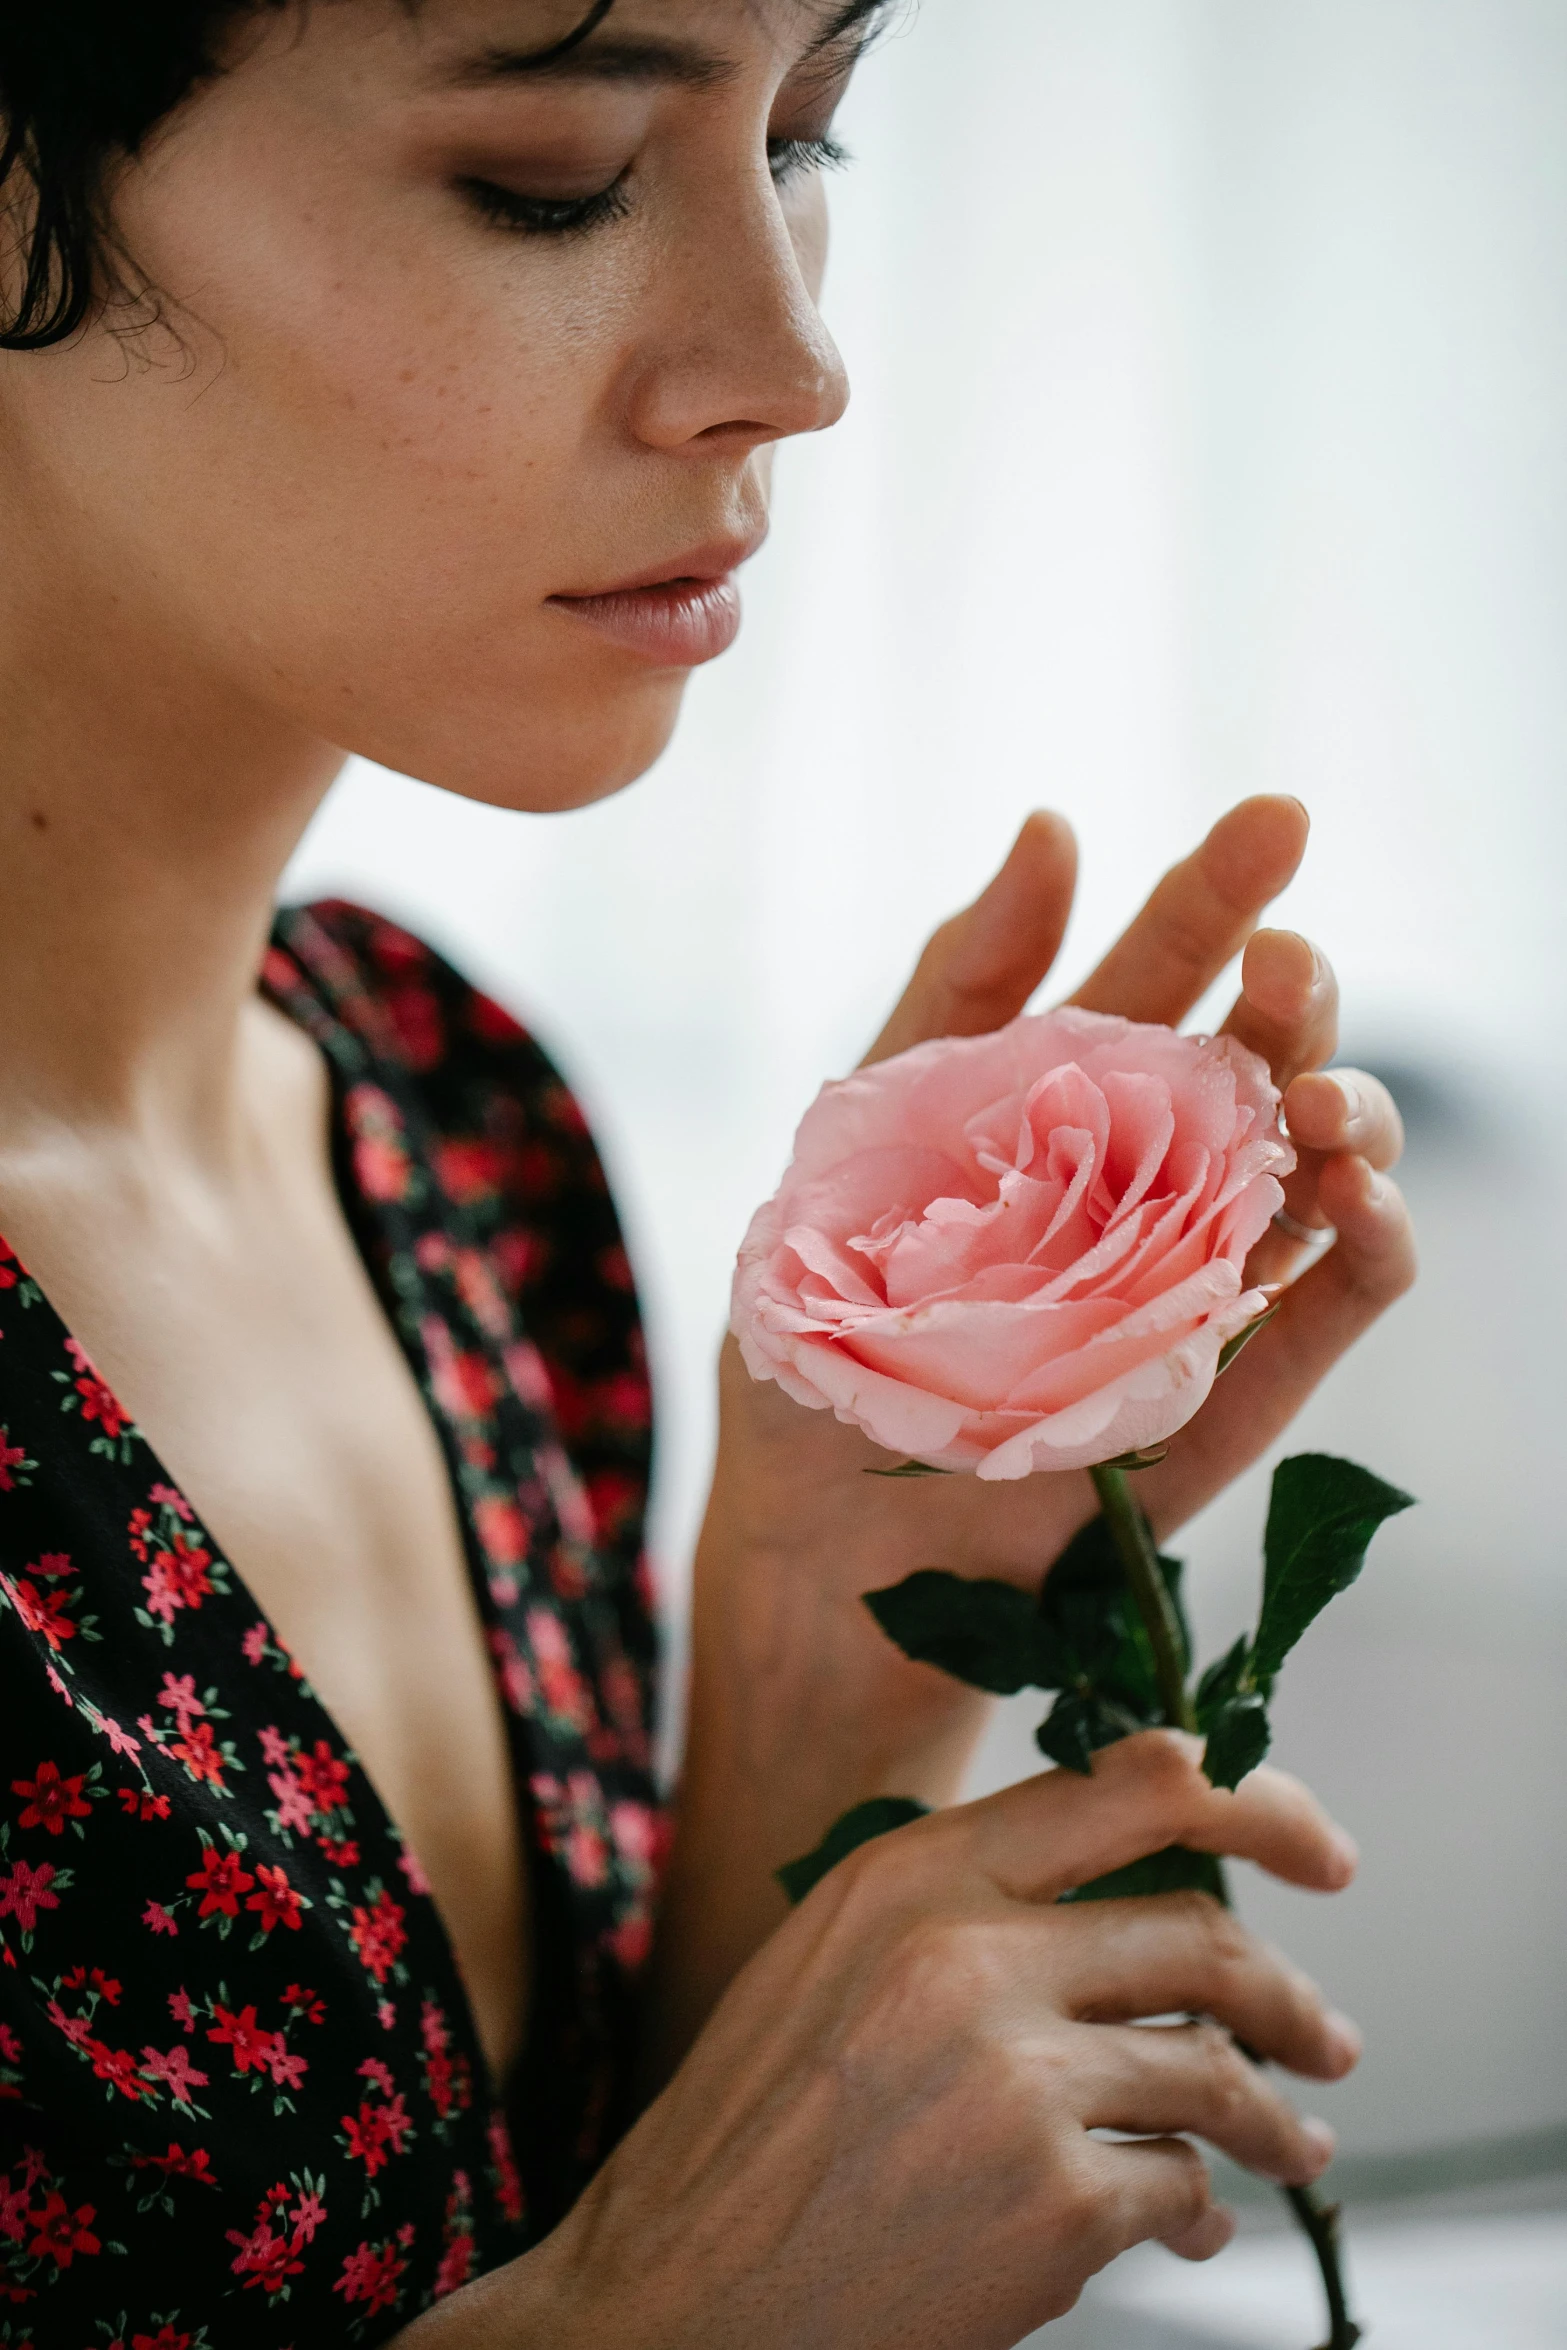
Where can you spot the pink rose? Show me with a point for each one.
(1019, 1251)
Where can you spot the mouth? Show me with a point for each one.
(675, 618)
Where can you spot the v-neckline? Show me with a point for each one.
(389, 1833)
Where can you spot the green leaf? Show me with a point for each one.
(1321, 1519)
(1175, 1870)
(878, 1817)
(990, 1635)
(1242, 1339)
(1222, 1681)
(912, 1469)
(1238, 1738)
(1079, 1724)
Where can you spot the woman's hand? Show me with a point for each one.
(884, 2136)
(799, 1706)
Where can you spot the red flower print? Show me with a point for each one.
(173, 2070)
(264, 2257)
(24, 1891)
(98, 1401)
(251, 2046)
(381, 1162)
(43, 1612)
(81, 1978)
(525, 1368)
(61, 2233)
(117, 2066)
(376, 2132)
(299, 2001)
(178, 2163)
(12, 1458)
(508, 2186)
(415, 1014)
(377, 1934)
(173, 1500)
(10, 2045)
(381, 2074)
(341, 1851)
(198, 1751)
(121, 1740)
(446, 2078)
(181, 2010)
(502, 1529)
(564, 1691)
(491, 1024)
(511, 1668)
(164, 2339)
(464, 1384)
(157, 1919)
(276, 1900)
(275, 1751)
(323, 1777)
(370, 2274)
(455, 2267)
(587, 1855)
(177, 1578)
(220, 1880)
(52, 1564)
(308, 2214)
(256, 1642)
(295, 1809)
(51, 1800)
(178, 1697)
(468, 1170)
(139, 1806)
(412, 1868)
(10, 1271)
(287, 2069)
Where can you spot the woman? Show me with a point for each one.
(403, 378)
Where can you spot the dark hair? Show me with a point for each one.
(83, 83)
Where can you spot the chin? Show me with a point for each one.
(538, 760)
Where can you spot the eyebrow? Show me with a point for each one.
(639, 61)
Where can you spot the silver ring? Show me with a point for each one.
(1309, 1235)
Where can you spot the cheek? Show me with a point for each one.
(364, 477)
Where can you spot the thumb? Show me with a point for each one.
(980, 968)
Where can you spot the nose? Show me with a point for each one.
(745, 357)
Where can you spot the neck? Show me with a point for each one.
(147, 810)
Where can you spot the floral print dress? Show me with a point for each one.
(241, 2097)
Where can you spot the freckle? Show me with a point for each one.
(405, 375)
(38, 820)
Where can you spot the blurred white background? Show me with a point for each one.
(1211, 367)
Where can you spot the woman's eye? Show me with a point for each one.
(791, 159)
(546, 216)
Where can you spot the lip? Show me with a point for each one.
(676, 615)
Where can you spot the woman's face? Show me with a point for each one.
(462, 341)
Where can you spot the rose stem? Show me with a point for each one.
(1141, 1561)
(1130, 1533)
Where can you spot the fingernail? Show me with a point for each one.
(1347, 1851)
(1354, 1100)
(1345, 2039)
(1322, 2139)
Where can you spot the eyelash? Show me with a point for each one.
(562, 216)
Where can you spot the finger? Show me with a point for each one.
(1050, 1834)
(1211, 2234)
(1287, 1009)
(1168, 2079)
(1320, 1318)
(980, 969)
(1156, 2191)
(1201, 914)
(1335, 1110)
(1122, 1960)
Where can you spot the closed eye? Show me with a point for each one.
(791, 159)
(546, 216)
